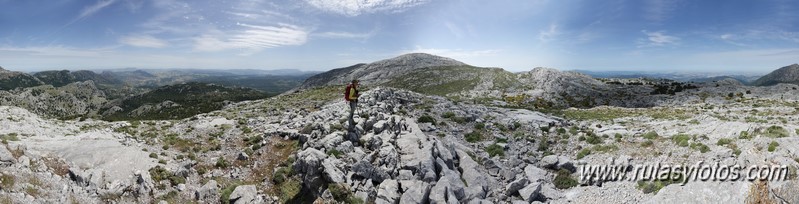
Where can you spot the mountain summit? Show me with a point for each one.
(788, 74)
(380, 71)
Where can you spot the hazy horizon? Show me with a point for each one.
(319, 35)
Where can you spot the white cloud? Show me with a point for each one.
(143, 41)
(253, 38)
(346, 35)
(658, 39)
(549, 34)
(358, 7)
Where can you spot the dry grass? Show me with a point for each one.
(58, 166)
(759, 194)
(279, 151)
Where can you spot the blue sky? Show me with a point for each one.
(645, 35)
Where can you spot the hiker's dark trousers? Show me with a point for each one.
(353, 105)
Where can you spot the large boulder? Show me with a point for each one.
(531, 192)
(388, 192)
(309, 164)
(416, 192)
(245, 194)
(6, 158)
(208, 192)
(332, 173)
(366, 170)
(449, 183)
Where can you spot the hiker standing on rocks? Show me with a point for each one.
(351, 95)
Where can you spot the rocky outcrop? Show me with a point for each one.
(788, 74)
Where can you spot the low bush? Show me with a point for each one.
(773, 146)
(564, 180)
(495, 150)
(473, 136)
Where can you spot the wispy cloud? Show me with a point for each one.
(358, 7)
(656, 39)
(254, 38)
(659, 10)
(549, 34)
(90, 10)
(347, 35)
(143, 41)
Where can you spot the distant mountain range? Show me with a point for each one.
(140, 94)
(682, 77)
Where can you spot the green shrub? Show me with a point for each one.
(544, 128)
(501, 127)
(573, 130)
(426, 119)
(448, 115)
(776, 132)
(593, 139)
(561, 131)
(582, 153)
(516, 125)
(473, 136)
(459, 120)
(495, 150)
(744, 135)
(681, 140)
(282, 174)
(335, 153)
(479, 126)
(543, 146)
(564, 180)
(605, 148)
(654, 187)
(651, 135)
(158, 173)
(501, 140)
(153, 155)
(701, 147)
(225, 194)
(221, 163)
(617, 136)
(342, 194)
(724, 141)
(773, 146)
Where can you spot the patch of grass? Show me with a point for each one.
(282, 174)
(10, 137)
(158, 173)
(334, 152)
(647, 143)
(479, 126)
(651, 135)
(289, 189)
(221, 163)
(501, 140)
(516, 125)
(593, 139)
(744, 135)
(724, 141)
(495, 150)
(225, 194)
(701, 147)
(342, 194)
(681, 140)
(153, 155)
(693, 122)
(582, 153)
(459, 120)
(473, 136)
(773, 146)
(564, 180)
(775, 132)
(604, 148)
(426, 119)
(654, 187)
(448, 115)
(7, 181)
